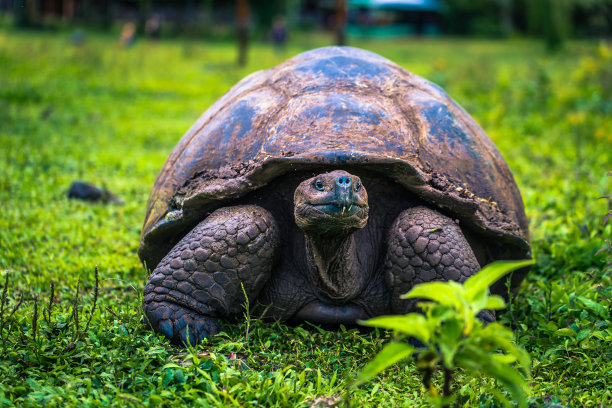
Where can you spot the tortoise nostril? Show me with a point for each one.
(344, 181)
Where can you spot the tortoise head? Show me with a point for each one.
(331, 203)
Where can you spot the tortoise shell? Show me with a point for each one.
(334, 107)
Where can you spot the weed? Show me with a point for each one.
(608, 244)
(77, 333)
(5, 320)
(48, 311)
(34, 341)
(450, 337)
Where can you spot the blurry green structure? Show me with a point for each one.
(551, 20)
(391, 18)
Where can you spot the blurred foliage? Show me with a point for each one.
(473, 17)
(552, 20)
(110, 115)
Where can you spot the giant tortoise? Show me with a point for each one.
(323, 189)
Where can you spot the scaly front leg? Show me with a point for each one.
(425, 246)
(200, 279)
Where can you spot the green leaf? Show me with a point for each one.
(450, 340)
(445, 293)
(480, 362)
(588, 344)
(495, 302)
(490, 274)
(565, 333)
(504, 358)
(170, 365)
(451, 330)
(412, 324)
(500, 397)
(594, 307)
(479, 301)
(389, 355)
(498, 337)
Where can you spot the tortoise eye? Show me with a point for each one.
(319, 185)
(358, 186)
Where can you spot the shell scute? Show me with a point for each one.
(325, 122)
(224, 141)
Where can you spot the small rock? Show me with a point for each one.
(82, 190)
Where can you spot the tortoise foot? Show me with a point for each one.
(425, 246)
(203, 276)
(486, 316)
(179, 324)
(319, 312)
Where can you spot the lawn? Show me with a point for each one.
(111, 115)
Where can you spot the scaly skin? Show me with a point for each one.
(201, 277)
(425, 246)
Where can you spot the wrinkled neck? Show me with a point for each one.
(334, 266)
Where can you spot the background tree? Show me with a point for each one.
(550, 20)
(505, 17)
(340, 22)
(26, 13)
(242, 24)
(144, 8)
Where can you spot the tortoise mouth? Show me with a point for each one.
(331, 217)
(337, 209)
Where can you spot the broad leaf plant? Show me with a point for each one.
(449, 336)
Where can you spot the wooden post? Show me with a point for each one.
(68, 10)
(242, 24)
(144, 7)
(26, 13)
(340, 22)
(505, 17)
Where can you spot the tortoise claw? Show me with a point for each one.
(486, 316)
(182, 326)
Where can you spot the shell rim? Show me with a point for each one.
(187, 209)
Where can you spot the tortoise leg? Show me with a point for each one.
(200, 278)
(425, 246)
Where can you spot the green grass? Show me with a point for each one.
(111, 116)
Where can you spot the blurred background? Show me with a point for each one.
(279, 21)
